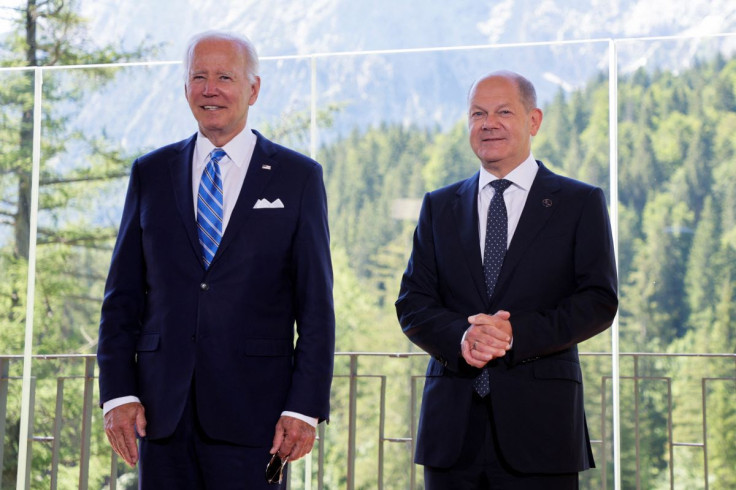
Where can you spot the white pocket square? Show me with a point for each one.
(265, 204)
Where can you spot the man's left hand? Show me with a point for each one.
(293, 438)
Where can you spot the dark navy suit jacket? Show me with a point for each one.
(169, 325)
(559, 283)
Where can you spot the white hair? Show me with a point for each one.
(251, 56)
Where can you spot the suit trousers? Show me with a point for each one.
(190, 460)
(481, 465)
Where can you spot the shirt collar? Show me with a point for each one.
(236, 149)
(522, 176)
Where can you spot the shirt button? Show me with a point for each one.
(204, 286)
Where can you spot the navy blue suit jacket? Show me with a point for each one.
(168, 324)
(558, 281)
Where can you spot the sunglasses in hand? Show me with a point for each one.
(275, 468)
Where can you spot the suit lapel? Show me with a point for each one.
(181, 174)
(261, 168)
(539, 207)
(465, 211)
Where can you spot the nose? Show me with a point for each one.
(489, 122)
(209, 88)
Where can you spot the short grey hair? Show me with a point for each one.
(527, 92)
(251, 55)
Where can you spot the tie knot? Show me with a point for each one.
(500, 185)
(217, 154)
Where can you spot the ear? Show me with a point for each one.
(535, 119)
(255, 89)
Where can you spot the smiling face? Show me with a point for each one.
(500, 124)
(218, 89)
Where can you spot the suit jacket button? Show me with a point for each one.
(204, 286)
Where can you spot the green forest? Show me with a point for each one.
(676, 243)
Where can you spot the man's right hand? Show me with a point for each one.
(488, 337)
(121, 424)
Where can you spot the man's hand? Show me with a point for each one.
(293, 438)
(121, 424)
(487, 338)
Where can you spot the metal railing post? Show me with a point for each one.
(84, 456)
(56, 438)
(351, 420)
(4, 381)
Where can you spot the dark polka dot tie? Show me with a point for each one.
(494, 251)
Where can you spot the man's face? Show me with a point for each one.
(218, 90)
(500, 126)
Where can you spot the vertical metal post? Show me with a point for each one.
(24, 468)
(113, 471)
(413, 431)
(705, 432)
(56, 443)
(89, 381)
(4, 380)
(352, 415)
(637, 443)
(381, 432)
(313, 135)
(321, 464)
(613, 166)
(604, 449)
(26, 415)
(670, 435)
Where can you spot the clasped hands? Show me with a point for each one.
(487, 338)
(292, 437)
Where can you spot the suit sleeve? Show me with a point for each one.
(590, 306)
(315, 315)
(422, 314)
(123, 303)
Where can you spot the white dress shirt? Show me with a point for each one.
(515, 196)
(233, 167)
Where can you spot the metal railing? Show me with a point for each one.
(377, 393)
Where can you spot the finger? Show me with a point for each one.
(487, 350)
(120, 447)
(113, 441)
(302, 441)
(140, 422)
(480, 319)
(473, 357)
(278, 438)
(131, 447)
(112, 437)
(503, 314)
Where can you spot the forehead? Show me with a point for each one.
(218, 54)
(495, 90)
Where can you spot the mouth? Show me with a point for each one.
(211, 107)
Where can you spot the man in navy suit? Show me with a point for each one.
(197, 350)
(503, 399)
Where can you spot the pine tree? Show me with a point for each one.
(72, 250)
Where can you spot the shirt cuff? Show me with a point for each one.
(304, 418)
(116, 402)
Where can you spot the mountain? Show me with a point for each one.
(412, 86)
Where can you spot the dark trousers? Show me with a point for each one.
(190, 460)
(481, 466)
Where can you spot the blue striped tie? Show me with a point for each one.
(209, 207)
